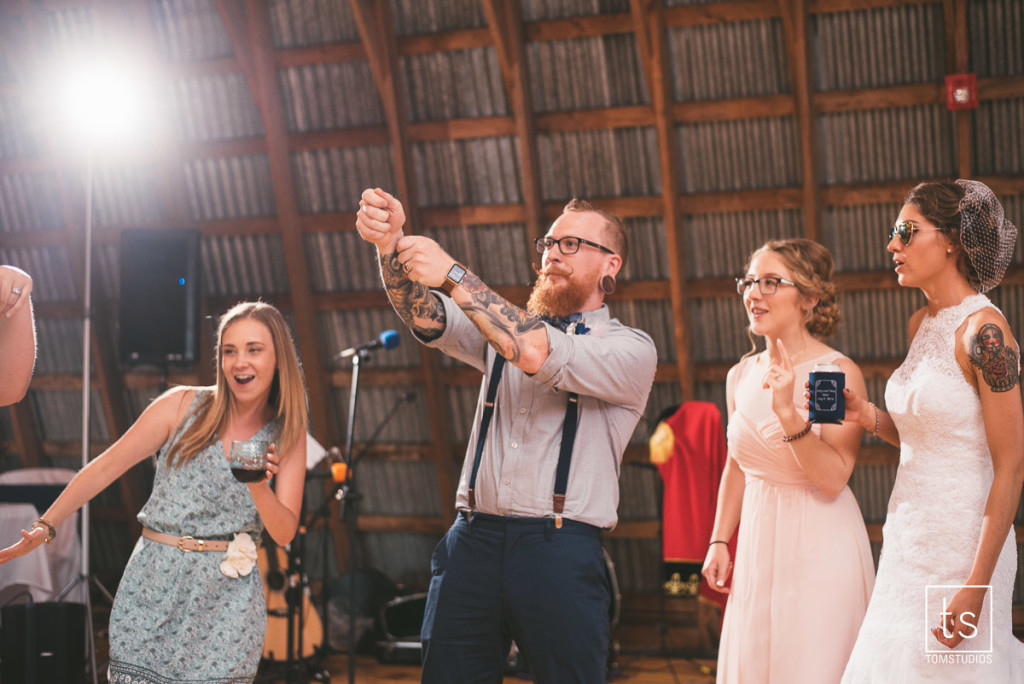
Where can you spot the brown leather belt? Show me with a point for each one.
(186, 543)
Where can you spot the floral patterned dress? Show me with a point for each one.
(177, 617)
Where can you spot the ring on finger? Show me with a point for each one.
(16, 290)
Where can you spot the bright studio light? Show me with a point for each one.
(103, 102)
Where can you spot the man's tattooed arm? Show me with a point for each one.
(998, 362)
(506, 327)
(416, 306)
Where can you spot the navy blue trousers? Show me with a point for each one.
(495, 580)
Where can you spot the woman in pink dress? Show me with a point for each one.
(803, 571)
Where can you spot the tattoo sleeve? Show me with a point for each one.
(413, 302)
(502, 323)
(998, 362)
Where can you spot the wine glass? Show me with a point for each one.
(249, 460)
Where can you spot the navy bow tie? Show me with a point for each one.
(572, 324)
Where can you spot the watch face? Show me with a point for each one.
(456, 273)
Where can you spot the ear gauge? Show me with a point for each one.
(607, 284)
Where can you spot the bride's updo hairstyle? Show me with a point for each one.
(970, 215)
(812, 267)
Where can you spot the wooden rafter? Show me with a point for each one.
(886, 97)
(954, 14)
(794, 23)
(251, 39)
(26, 435)
(375, 29)
(505, 22)
(648, 25)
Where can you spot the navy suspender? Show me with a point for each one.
(564, 451)
(485, 422)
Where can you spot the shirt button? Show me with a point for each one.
(508, 482)
(515, 445)
(522, 410)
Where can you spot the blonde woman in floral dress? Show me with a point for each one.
(201, 617)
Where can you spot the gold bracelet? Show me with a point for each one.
(51, 530)
(793, 438)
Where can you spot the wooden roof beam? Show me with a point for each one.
(250, 37)
(649, 28)
(26, 434)
(794, 23)
(505, 21)
(375, 23)
(954, 15)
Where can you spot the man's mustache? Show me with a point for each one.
(551, 270)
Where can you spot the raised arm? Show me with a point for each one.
(17, 334)
(827, 460)
(143, 438)
(379, 221)
(412, 265)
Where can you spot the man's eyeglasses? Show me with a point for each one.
(566, 245)
(905, 231)
(768, 285)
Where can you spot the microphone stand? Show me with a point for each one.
(349, 496)
(350, 505)
(342, 491)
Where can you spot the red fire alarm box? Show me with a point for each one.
(961, 91)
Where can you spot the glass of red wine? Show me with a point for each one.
(249, 460)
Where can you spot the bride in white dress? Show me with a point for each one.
(941, 607)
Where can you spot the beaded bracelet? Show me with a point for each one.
(875, 433)
(51, 530)
(793, 438)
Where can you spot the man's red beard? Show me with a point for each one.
(550, 298)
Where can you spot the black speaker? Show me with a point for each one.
(159, 311)
(43, 642)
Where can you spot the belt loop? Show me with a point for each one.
(549, 527)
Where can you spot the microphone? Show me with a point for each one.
(386, 340)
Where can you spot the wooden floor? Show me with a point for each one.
(646, 670)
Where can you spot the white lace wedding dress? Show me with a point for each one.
(933, 526)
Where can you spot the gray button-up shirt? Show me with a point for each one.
(611, 368)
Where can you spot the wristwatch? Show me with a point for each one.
(455, 275)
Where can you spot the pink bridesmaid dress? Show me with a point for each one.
(803, 571)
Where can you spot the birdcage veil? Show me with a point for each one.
(986, 236)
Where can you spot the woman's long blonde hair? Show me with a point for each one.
(287, 392)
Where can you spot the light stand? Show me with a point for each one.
(84, 577)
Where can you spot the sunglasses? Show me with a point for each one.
(905, 231)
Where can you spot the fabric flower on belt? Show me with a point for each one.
(240, 558)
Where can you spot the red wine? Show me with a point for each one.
(247, 475)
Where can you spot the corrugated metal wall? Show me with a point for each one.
(856, 49)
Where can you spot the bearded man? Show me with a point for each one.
(558, 404)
